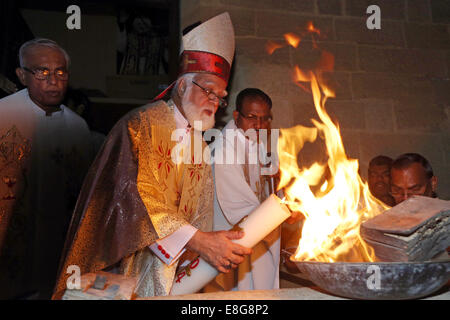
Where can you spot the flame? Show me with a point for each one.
(292, 39)
(312, 29)
(271, 46)
(332, 196)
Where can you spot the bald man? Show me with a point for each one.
(45, 152)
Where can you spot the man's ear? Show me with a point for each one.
(181, 88)
(434, 181)
(21, 75)
(235, 115)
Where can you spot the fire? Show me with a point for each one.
(332, 196)
(292, 39)
(271, 46)
(312, 29)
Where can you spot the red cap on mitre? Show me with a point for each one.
(209, 47)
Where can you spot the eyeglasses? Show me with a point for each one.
(212, 96)
(44, 74)
(253, 118)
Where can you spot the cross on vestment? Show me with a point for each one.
(187, 61)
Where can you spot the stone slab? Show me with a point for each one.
(302, 293)
(410, 215)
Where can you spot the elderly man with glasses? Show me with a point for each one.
(242, 184)
(45, 152)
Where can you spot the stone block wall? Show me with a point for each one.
(392, 85)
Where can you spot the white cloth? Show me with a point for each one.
(237, 195)
(170, 248)
(46, 156)
(59, 143)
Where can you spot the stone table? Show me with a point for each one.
(300, 293)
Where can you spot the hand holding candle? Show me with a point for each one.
(259, 223)
(219, 249)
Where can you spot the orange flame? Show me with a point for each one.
(299, 77)
(292, 39)
(332, 196)
(271, 46)
(312, 29)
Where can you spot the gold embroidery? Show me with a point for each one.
(165, 165)
(14, 151)
(13, 148)
(173, 198)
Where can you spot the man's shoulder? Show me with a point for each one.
(13, 98)
(230, 127)
(74, 120)
(150, 114)
(158, 112)
(157, 107)
(72, 114)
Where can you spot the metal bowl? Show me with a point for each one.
(378, 280)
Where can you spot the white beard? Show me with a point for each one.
(193, 115)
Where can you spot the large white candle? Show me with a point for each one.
(259, 223)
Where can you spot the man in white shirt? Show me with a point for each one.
(240, 187)
(45, 152)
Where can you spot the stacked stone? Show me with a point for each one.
(417, 229)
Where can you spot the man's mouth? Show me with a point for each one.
(54, 93)
(380, 185)
(209, 113)
(377, 188)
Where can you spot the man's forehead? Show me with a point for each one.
(41, 55)
(210, 79)
(413, 173)
(379, 168)
(255, 104)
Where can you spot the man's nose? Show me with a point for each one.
(259, 123)
(52, 78)
(216, 104)
(378, 178)
(404, 195)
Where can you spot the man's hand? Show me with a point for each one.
(218, 249)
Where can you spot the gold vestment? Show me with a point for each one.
(133, 195)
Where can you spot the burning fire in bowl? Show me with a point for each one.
(335, 201)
